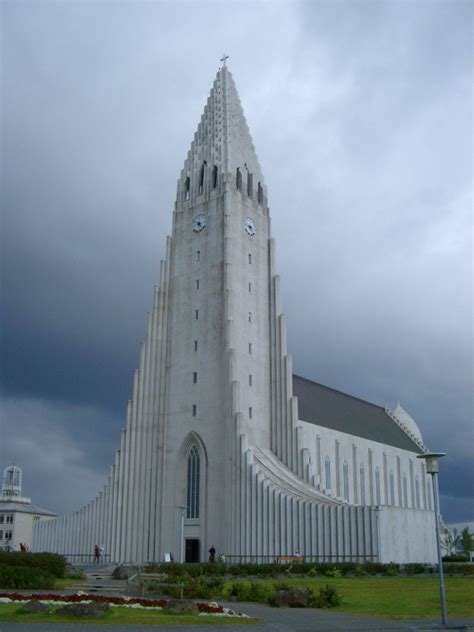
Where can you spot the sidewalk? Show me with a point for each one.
(274, 620)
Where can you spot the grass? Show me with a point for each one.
(118, 616)
(393, 597)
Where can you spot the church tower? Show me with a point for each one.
(214, 451)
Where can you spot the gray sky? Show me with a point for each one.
(361, 113)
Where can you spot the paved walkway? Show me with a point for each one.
(274, 620)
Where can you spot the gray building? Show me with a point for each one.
(259, 462)
(17, 514)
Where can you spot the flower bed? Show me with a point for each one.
(53, 599)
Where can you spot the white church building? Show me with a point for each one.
(260, 462)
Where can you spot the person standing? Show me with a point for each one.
(96, 554)
(212, 554)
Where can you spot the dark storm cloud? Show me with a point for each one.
(360, 113)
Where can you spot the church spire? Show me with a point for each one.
(222, 148)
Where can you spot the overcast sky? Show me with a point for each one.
(361, 114)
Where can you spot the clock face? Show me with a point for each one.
(249, 226)
(199, 223)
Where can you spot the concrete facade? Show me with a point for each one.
(213, 424)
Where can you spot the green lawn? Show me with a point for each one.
(118, 616)
(396, 597)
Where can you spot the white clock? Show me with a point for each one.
(199, 223)
(249, 226)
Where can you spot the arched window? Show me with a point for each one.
(327, 471)
(392, 489)
(238, 179)
(405, 491)
(214, 177)
(260, 193)
(187, 187)
(378, 498)
(362, 484)
(345, 480)
(192, 496)
(201, 178)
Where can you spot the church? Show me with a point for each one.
(224, 445)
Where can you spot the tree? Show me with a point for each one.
(467, 541)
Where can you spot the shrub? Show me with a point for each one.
(333, 572)
(50, 562)
(359, 571)
(24, 577)
(414, 569)
(458, 569)
(392, 569)
(328, 597)
(250, 591)
(455, 558)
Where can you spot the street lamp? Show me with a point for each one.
(181, 532)
(431, 459)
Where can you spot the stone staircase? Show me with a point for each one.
(99, 580)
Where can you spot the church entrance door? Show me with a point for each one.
(192, 550)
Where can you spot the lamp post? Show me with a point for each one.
(181, 532)
(431, 459)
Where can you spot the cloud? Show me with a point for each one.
(360, 113)
(63, 452)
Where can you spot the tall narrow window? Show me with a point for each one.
(238, 179)
(198, 255)
(192, 496)
(214, 177)
(345, 480)
(327, 472)
(417, 492)
(250, 258)
(392, 489)
(428, 495)
(362, 483)
(260, 193)
(250, 412)
(195, 377)
(249, 184)
(196, 313)
(187, 188)
(250, 317)
(378, 498)
(250, 348)
(250, 287)
(197, 284)
(194, 410)
(250, 379)
(405, 491)
(201, 178)
(195, 345)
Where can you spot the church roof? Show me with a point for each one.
(326, 407)
(28, 508)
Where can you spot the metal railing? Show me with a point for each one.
(290, 558)
(86, 558)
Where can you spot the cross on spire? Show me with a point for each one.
(223, 60)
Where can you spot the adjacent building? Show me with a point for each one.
(17, 514)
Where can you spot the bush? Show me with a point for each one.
(25, 578)
(50, 562)
(455, 558)
(333, 572)
(414, 569)
(250, 591)
(328, 597)
(458, 569)
(392, 569)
